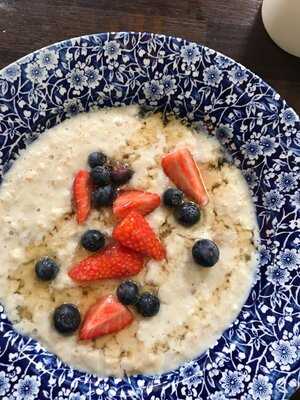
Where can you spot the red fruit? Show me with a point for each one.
(135, 232)
(121, 174)
(143, 202)
(115, 261)
(82, 195)
(182, 169)
(107, 315)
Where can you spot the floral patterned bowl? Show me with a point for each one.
(258, 356)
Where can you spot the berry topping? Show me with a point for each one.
(104, 196)
(46, 269)
(188, 213)
(82, 195)
(143, 202)
(121, 174)
(97, 158)
(205, 253)
(172, 197)
(148, 304)
(135, 232)
(183, 171)
(92, 240)
(101, 175)
(107, 315)
(115, 261)
(66, 318)
(128, 293)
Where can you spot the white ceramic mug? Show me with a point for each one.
(282, 22)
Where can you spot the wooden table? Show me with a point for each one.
(233, 27)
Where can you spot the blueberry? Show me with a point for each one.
(148, 304)
(101, 175)
(66, 318)
(46, 269)
(104, 196)
(121, 174)
(128, 292)
(92, 240)
(188, 213)
(205, 252)
(97, 158)
(172, 197)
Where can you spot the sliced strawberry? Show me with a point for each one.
(115, 261)
(107, 315)
(182, 169)
(128, 200)
(135, 232)
(82, 195)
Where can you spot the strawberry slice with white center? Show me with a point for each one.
(107, 315)
(183, 171)
(138, 200)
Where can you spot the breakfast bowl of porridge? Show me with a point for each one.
(149, 206)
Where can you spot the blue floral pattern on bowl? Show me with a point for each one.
(258, 356)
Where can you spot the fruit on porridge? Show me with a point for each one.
(92, 240)
(135, 233)
(115, 261)
(106, 316)
(82, 196)
(181, 168)
(143, 202)
(128, 293)
(66, 318)
(124, 235)
(205, 252)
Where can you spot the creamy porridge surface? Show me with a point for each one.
(197, 304)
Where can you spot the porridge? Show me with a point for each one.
(191, 304)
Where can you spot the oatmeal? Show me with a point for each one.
(196, 304)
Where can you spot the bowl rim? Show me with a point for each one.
(60, 42)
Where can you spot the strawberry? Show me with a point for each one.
(107, 315)
(82, 195)
(182, 169)
(128, 200)
(135, 232)
(115, 261)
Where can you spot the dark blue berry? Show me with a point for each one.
(66, 318)
(92, 240)
(205, 253)
(148, 304)
(97, 158)
(172, 197)
(104, 196)
(128, 293)
(46, 269)
(121, 174)
(188, 213)
(101, 175)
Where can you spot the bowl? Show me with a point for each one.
(258, 356)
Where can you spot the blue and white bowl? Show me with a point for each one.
(258, 356)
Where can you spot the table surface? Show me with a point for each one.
(233, 27)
